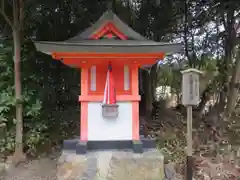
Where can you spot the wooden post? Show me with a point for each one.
(190, 97)
(189, 144)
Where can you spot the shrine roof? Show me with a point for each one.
(109, 46)
(83, 43)
(107, 17)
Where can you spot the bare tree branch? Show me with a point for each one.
(2, 11)
(15, 14)
(21, 13)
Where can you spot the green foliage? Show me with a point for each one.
(32, 104)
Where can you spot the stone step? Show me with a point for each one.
(113, 165)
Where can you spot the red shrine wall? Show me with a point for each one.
(97, 79)
(128, 118)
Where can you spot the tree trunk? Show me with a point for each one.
(149, 88)
(18, 154)
(204, 99)
(228, 53)
(147, 94)
(233, 92)
(17, 27)
(153, 80)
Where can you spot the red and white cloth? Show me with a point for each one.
(109, 91)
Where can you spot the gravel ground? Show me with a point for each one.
(38, 169)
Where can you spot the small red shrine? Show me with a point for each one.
(109, 54)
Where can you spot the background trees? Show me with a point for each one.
(208, 29)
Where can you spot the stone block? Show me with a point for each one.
(146, 166)
(112, 165)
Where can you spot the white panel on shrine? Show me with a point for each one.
(103, 129)
(93, 79)
(126, 78)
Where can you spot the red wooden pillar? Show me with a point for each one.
(84, 105)
(135, 104)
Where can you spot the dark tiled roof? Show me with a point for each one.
(135, 43)
(108, 16)
(109, 46)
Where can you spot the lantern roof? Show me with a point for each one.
(191, 70)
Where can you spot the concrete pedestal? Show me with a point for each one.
(111, 165)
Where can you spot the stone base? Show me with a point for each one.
(111, 165)
(81, 147)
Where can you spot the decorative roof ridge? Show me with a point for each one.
(108, 16)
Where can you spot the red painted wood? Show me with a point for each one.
(118, 75)
(109, 28)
